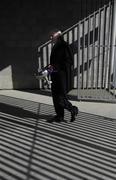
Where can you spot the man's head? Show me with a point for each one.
(55, 34)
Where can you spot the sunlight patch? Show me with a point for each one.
(6, 78)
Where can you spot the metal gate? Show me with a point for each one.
(91, 40)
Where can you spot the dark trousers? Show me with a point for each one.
(61, 102)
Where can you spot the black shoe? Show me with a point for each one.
(76, 110)
(59, 119)
(74, 113)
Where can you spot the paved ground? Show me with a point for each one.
(33, 149)
(102, 109)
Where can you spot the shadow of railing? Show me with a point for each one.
(32, 148)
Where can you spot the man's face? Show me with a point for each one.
(55, 36)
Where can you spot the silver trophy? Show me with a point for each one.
(43, 74)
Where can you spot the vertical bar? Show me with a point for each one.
(42, 64)
(98, 58)
(75, 70)
(114, 72)
(71, 41)
(88, 51)
(68, 36)
(104, 37)
(101, 48)
(65, 37)
(47, 61)
(108, 44)
(75, 57)
(44, 56)
(44, 61)
(93, 51)
(113, 40)
(49, 53)
(78, 62)
(83, 50)
(73, 35)
(40, 61)
(39, 66)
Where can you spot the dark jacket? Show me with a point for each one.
(62, 59)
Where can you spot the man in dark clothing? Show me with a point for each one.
(61, 60)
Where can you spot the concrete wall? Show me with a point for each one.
(26, 24)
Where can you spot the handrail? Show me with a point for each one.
(81, 21)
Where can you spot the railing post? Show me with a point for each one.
(113, 40)
(78, 62)
(114, 71)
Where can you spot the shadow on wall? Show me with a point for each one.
(24, 26)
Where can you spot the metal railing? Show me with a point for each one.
(90, 40)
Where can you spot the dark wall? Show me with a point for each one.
(26, 24)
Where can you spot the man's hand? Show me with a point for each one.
(50, 68)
